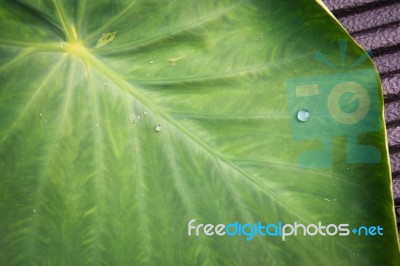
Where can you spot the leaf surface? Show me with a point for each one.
(121, 121)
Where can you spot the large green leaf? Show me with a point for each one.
(123, 120)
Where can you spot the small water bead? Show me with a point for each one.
(303, 115)
(173, 60)
(158, 128)
(135, 118)
(151, 62)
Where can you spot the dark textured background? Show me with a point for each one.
(375, 25)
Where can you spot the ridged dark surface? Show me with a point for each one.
(375, 25)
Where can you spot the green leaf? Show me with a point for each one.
(218, 111)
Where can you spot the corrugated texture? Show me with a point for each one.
(379, 18)
(375, 25)
(335, 5)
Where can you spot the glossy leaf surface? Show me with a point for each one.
(121, 121)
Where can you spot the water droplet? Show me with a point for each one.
(303, 115)
(135, 118)
(158, 128)
(34, 210)
(40, 114)
(329, 199)
(261, 36)
(45, 121)
(151, 62)
(173, 60)
(60, 46)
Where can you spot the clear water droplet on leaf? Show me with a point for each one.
(158, 128)
(303, 115)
